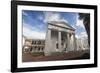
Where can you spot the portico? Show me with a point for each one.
(60, 37)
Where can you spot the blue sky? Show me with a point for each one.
(35, 22)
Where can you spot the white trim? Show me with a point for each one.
(53, 63)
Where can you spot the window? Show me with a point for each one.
(38, 48)
(56, 45)
(32, 42)
(39, 42)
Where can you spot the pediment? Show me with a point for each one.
(61, 24)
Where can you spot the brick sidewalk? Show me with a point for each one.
(66, 56)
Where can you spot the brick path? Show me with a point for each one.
(66, 56)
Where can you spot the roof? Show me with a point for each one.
(61, 24)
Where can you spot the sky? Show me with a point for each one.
(35, 23)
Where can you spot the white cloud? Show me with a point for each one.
(40, 17)
(64, 20)
(74, 26)
(53, 16)
(81, 35)
(29, 26)
(24, 13)
(32, 34)
(79, 23)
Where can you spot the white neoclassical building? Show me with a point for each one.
(60, 37)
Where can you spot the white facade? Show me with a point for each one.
(33, 45)
(82, 44)
(60, 37)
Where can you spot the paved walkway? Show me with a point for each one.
(66, 56)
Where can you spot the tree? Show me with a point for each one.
(86, 21)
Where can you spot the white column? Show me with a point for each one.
(49, 37)
(48, 49)
(59, 41)
(74, 42)
(68, 42)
